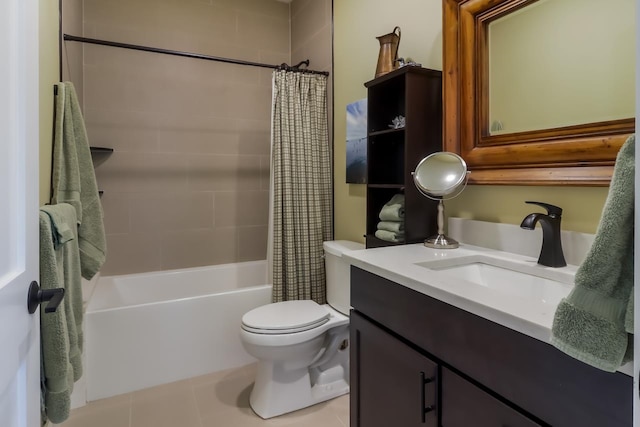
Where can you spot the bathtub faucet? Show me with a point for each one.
(551, 253)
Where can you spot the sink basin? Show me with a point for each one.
(513, 278)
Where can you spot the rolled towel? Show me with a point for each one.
(393, 226)
(390, 236)
(393, 210)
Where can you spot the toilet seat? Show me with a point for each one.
(287, 317)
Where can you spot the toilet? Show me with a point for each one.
(301, 346)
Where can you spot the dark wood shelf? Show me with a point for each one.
(101, 150)
(386, 131)
(416, 94)
(396, 186)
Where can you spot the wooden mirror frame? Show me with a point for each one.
(575, 155)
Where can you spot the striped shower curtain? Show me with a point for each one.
(301, 185)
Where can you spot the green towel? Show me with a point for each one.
(594, 323)
(393, 226)
(393, 210)
(61, 332)
(74, 180)
(390, 236)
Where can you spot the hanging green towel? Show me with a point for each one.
(74, 180)
(595, 322)
(61, 331)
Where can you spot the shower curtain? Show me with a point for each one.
(301, 174)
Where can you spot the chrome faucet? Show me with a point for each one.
(551, 253)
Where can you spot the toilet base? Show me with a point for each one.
(293, 390)
(281, 387)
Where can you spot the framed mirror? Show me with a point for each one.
(539, 92)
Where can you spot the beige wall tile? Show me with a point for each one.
(254, 137)
(264, 7)
(182, 128)
(220, 141)
(263, 31)
(307, 22)
(132, 253)
(299, 5)
(103, 88)
(194, 248)
(122, 130)
(220, 173)
(171, 211)
(140, 172)
(252, 243)
(116, 212)
(265, 172)
(72, 53)
(241, 208)
(318, 47)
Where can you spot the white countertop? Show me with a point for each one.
(529, 316)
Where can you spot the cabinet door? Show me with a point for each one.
(391, 383)
(464, 404)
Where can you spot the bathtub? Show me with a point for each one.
(147, 329)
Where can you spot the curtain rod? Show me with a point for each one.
(282, 66)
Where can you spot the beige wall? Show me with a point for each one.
(187, 184)
(72, 52)
(356, 24)
(49, 71)
(311, 39)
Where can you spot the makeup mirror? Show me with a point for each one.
(441, 176)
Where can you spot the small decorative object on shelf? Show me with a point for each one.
(397, 123)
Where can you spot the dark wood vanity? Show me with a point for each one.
(417, 361)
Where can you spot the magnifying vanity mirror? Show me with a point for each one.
(441, 176)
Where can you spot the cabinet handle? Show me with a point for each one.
(423, 395)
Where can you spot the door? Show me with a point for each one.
(19, 331)
(391, 383)
(463, 404)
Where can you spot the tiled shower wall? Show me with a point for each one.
(187, 183)
(311, 38)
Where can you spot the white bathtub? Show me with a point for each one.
(146, 329)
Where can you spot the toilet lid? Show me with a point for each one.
(285, 317)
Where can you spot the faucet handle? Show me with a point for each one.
(552, 210)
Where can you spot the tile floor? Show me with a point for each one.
(220, 399)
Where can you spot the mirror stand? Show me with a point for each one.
(437, 176)
(441, 241)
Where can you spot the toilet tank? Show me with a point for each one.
(338, 273)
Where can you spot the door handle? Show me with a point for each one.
(423, 395)
(37, 296)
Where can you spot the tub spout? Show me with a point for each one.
(551, 253)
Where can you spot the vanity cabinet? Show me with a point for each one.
(392, 154)
(405, 395)
(479, 373)
(468, 405)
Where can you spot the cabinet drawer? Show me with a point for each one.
(464, 405)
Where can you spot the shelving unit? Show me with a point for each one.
(392, 154)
